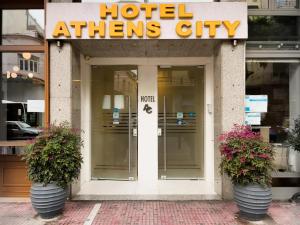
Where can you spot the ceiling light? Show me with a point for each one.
(16, 68)
(26, 55)
(14, 75)
(30, 75)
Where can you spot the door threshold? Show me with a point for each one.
(14, 199)
(202, 197)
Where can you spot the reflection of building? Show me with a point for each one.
(23, 73)
(271, 79)
(26, 31)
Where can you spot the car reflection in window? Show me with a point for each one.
(18, 130)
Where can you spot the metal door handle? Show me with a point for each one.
(134, 132)
(159, 132)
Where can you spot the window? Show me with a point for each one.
(271, 79)
(22, 99)
(12, 126)
(273, 4)
(22, 80)
(281, 83)
(29, 65)
(283, 4)
(26, 27)
(274, 28)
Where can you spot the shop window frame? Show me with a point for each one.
(272, 10)
(44, 48)
(276, 57)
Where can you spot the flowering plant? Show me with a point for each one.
(54, 156)
(245, 158)
(294, 136)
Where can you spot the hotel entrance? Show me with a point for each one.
(180, 122)
(146, 110)
(150, 91)
(147, 128)
(114, 122)
(114, 134)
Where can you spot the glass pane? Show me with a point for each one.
(35, 67)
(281, 83)
(21, 98)
(286, 4)
(258, 4)
(274, 28)
(273, 80)
(26, 67)
(31, 66)
(181, 119)
(114, 122)
(22, 27)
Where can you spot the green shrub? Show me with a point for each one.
(245, 158)
(294, 136)
(54, 156)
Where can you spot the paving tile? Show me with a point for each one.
(149, 213)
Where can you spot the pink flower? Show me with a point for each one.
(263, 156)
(240, 132)
(229, 157)
(243, 171)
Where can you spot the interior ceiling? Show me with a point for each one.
(146, 48)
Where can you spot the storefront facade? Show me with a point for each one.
(146, 104)
(152, 86)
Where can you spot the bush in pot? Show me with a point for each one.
(53, 160)
(294, 142)
(247, 161)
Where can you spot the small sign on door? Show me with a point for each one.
(179, 116)
(116, 116)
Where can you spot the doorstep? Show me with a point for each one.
(87, 197)
(14, 199)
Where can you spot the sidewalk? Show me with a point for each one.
(147, 213)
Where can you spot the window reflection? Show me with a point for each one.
(281, 83)
(273, 4)
(283, 4)
(22, 27)
(275, 81)
(273, 28)
(21, 95)
(257, 4)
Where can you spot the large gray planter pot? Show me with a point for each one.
(48, 200)
(252, 200)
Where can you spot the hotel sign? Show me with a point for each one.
(213, 20)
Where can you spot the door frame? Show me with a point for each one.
(161, 187)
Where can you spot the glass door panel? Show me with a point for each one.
(181, 122)
(114, 122)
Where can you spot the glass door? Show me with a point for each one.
(114, 122)
(181, 122)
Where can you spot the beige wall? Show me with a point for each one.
(229, 85)
(65, 104)
(60, 83)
